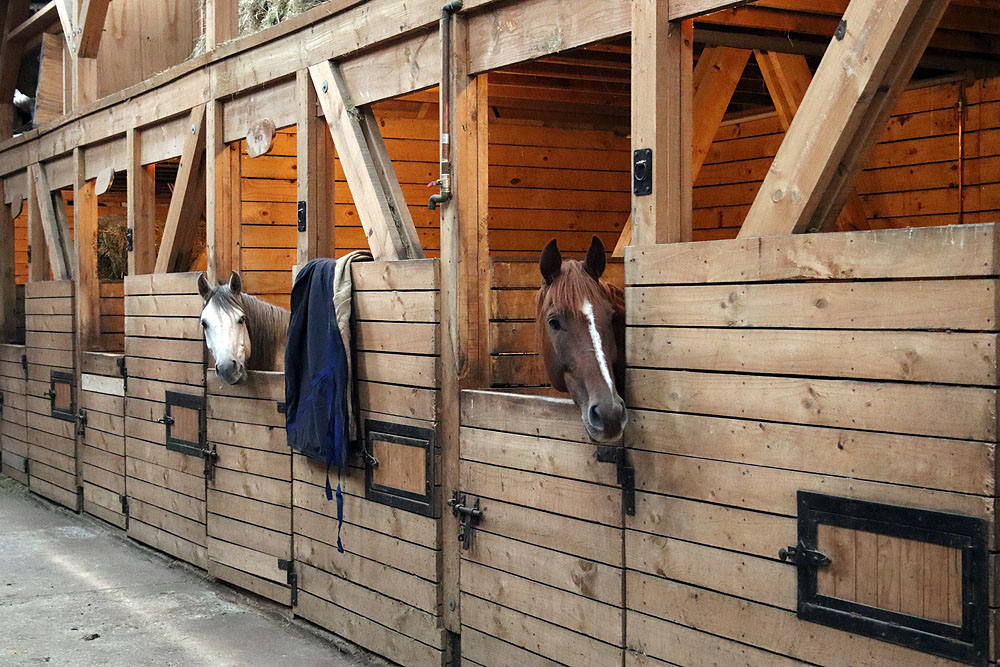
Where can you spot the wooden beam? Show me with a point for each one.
(187, 204)
(222, 225)
(53, 224)
(787, 77)
(8, 291)
(49, 98)
(314, 169)
(689, 9)
(90, 22)
(37, 24)
(140, 197)
(661, 121)
(847, 104)
(221, 18)
(88, 298)
(390, 183)
(382, 225)
(38, 258)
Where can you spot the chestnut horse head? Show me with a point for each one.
(581, 326)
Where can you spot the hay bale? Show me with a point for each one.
(255, 15)
(112, 246)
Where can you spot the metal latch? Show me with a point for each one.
(166, 419)
(129, 236)
(82, 428)
(301, 221)
(626, 473)
(292, 578)
(211, 458)
(802, 557)
(468, 516)
(642, 172)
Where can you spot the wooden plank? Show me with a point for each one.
(932, 252)
(186, 202)
(222, 165)
(382, 225)
(85, 213)
(928, 304)
(855, 88)
(421, 274)
(56, 235)
(140, 206)
(661, 120)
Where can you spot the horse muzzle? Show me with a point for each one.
(605, 421)
(230, 372)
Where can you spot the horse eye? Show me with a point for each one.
(554, 324)
(242, 320)
(204, 324)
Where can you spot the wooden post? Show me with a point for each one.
(141, 206)
(188, 200)
(661, 121)
(38, 265)
(88, 298)
(84, 69)
(8, 293)
(864, 70)
(222, 225)
(464, 287)
(220, 22)
(314, 174)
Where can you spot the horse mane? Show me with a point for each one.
(267, 324)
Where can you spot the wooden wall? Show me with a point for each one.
(762, 367)
(49, 346)
(542, 578)
(912, 177)
(164, 352)
(383, 593)
(250, 497)
(13, 424)
(102, 445)
(112, 295)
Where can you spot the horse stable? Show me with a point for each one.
(798, 199)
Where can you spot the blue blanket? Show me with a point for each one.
(316, 386)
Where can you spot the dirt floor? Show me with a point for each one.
(75, 592)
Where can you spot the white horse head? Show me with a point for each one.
(224, 321)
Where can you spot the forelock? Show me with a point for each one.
(223, 298)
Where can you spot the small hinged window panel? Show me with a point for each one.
(399, 466)
(185, 423)
(61, 395)
(914, 577)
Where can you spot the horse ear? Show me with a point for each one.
(551, 262)
(596, 258)
(204, 289)
(235, 283)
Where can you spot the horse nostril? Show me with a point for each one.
(594, 416)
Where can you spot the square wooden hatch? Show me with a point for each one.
(185, 423)
(399, 466)
(61, 395)
(913, 577)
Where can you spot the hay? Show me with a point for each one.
(255, 15)
(112, 247)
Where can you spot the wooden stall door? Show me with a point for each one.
(165, 357)
(102, 436)
(13, 428)
(541, 578)
(51, 401)
(250, 492)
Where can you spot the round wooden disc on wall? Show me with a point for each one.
(16, 206)
(105, 177)
(260, 135)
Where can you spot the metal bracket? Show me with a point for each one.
(618, 455)
(24, 364)
(124, 501)
(122, 368)
(211, 458)
(802, 557)
(27, 466)
(282, 407)
(468, 516)
(302, 216)
(29, 253)
(165, 419)
(79, 497)
(1, 402)
(292, 578)
(642, 172)
(81, 428)
(129, 236)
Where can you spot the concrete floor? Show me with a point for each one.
(75, 593)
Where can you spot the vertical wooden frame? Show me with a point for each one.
(38, 264)
(661, 121)
(220, 22)
(88, 310)
(314, 175)
(141, 206)
(8, 294)
(221, 221)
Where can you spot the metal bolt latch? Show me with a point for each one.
(802, 557)
(467, 515)
(166, 419)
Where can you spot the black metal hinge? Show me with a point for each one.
(124, 500)
(468, 516)
(288, 566)
(24, 364)
(79, 498)
(29, 253)
(802, 557)
(302, 216)
(27, 466)
(129, 236)
(626, 473)
(211, 458)
(81, 429)
(1, 402)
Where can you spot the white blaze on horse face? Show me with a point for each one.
(595, 338)
(225, 336)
